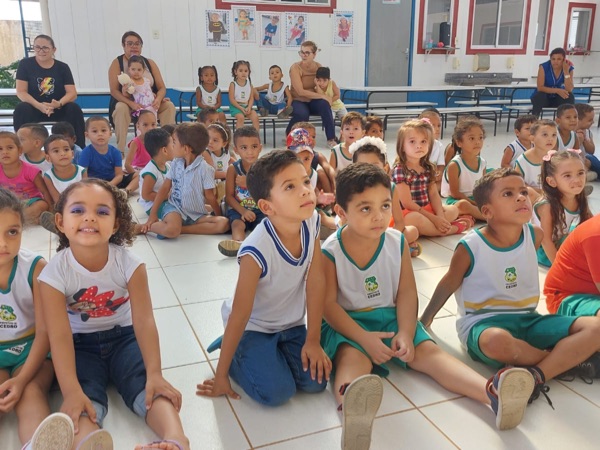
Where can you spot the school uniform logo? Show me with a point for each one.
(372, 287)
(510, 276)
(8, 318)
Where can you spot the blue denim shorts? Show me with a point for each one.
(168, 208)
(111, 356)
(232, 215)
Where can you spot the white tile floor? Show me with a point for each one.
(188, 280)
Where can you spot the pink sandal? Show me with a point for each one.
(460, 225)
(469, 220)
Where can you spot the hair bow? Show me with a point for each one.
(574, 150)
(548, 156)
(426, 119)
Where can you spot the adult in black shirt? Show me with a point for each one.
(47, 91)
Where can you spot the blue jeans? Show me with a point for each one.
(271, 108)
(111, 356)
(595, 167)
(303, 110)
(268, 367)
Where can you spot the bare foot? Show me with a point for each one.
(138, 229)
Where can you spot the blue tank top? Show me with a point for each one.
(550, 80)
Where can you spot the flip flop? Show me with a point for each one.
(469, 220)
(460, 225)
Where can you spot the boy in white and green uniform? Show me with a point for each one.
(494, 277)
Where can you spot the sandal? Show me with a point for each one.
(164, 441)
(460, 225)
(469, 220)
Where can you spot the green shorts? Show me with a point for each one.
(234, 111)
(13, 354)
(540, 331)
(379, 319)
(580, 305)
(30, 201)
(452, 201)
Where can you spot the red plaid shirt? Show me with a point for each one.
(417, 182)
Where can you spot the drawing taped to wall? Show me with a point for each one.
(343, 28)
(244, 25)
(270, 24)
(296, 27)
(217, 28)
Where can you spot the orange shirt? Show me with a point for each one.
(576, 269)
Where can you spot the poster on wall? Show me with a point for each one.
(296, 27)
(244, 25)
(218, 32)
(271, 29)
(343, 28)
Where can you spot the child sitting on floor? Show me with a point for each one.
(566, 123)
(494, 277)
(217, 152)
(563, 204)
(67, 130)
(437, 152)
(465, 168)
(181, 202)
(585, 120)
(522, 143)
(271, 346)
(371, 315)
(414, 175)
(137, 156)
(159, 145)
(325, 173)
(32, 137)
(63, 172)
(353, 128)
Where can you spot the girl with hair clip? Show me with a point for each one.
(414, 176)
(241, 95)
(372, 150)
(208, 93)
(100, 323)
(219, 140)
(564, 204)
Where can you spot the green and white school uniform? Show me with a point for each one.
(467, 177)
(341, 160)
(571, 221)
(531, 172)
(60, 184)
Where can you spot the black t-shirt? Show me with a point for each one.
(45, 85)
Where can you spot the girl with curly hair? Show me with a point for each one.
(96, 297)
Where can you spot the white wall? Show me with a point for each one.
(525, 66)
(88, 38)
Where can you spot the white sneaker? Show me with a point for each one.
(360, 404)
(591, 175)
(56, 432)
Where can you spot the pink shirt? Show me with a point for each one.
(22, 185)
(141, 157)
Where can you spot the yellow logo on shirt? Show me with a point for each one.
(372, 287)
(510, 276)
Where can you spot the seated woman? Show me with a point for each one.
(47, 91)
(554, 82)
(121, 107)
(305, 100)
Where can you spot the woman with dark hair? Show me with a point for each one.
(121, 107)
(305, 100)
(47, 91)
(554, 82)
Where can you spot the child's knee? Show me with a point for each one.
(276, 394)
(222, 224)
(496, 343)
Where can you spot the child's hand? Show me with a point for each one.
(10, 393)
(403, 348)
(157, 386)
(75, 404)
(216, 387)
(325, 198)
(152, 219)
(240, 180)
(581, 135)
(441, 224)
(312, 355)
(377, 350)
(248, 216)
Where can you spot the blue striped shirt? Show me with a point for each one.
(189, 183)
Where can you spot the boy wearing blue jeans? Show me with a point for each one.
(181, 202)
(267, 348)
(494, 277)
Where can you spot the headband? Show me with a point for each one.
(369, 140)
(548, 156)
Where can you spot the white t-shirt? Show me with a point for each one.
(43, 164)
(152, 170)
(437, 153)
(280, 299)
(499, 280)
(95, 301)
(531, 172)
(518, 149)
(342, 160)
(466, 176)
(60, 184)
(372, 286)
(17, 316)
